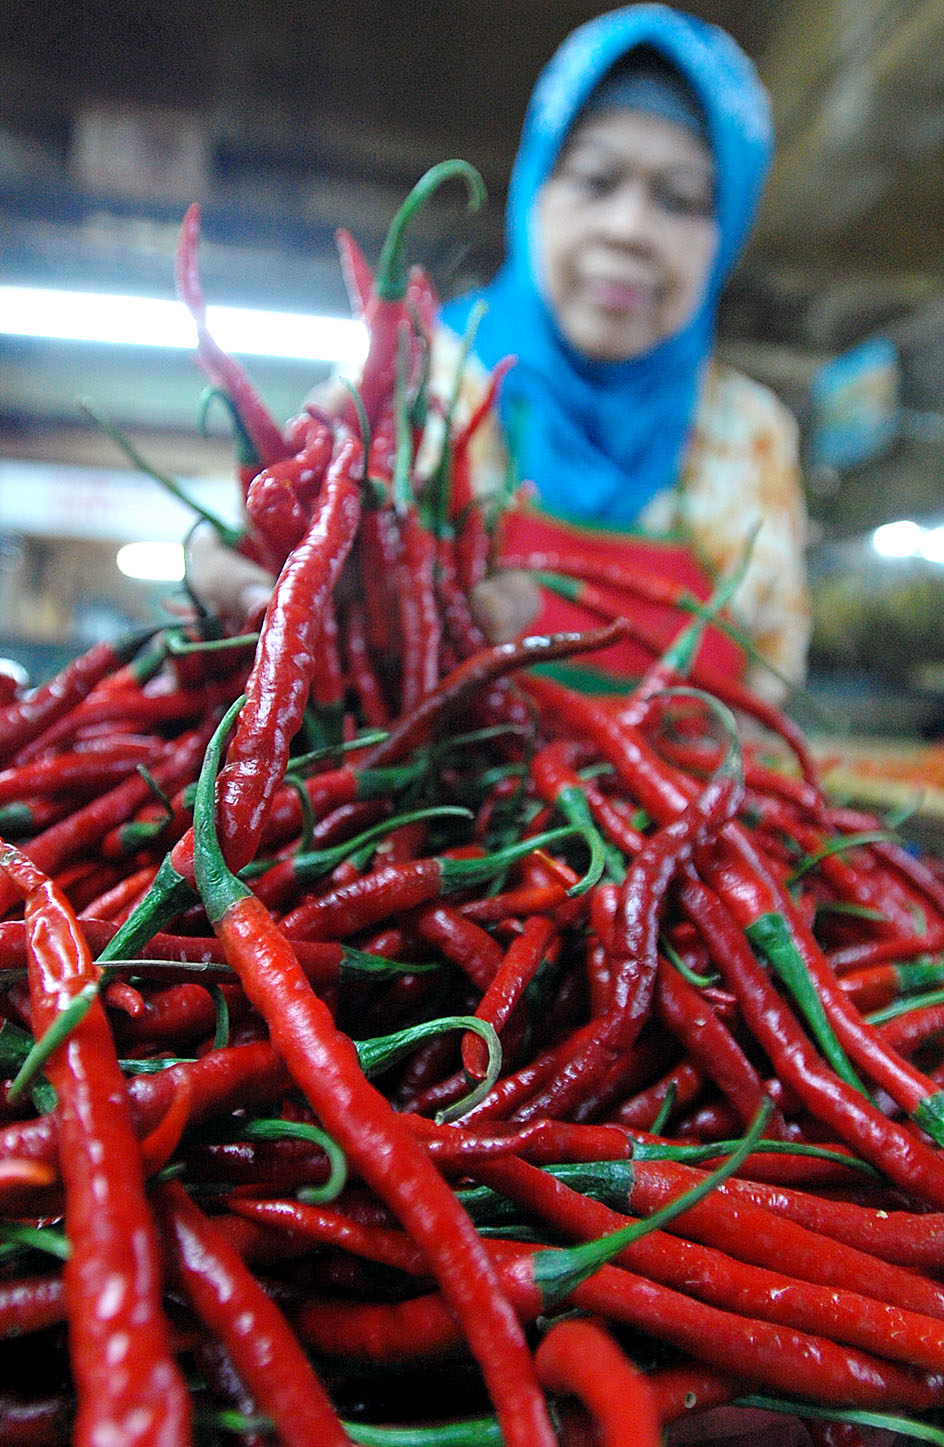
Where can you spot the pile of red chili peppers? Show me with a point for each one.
(399, 1047)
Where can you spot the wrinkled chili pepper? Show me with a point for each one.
(128, 1383)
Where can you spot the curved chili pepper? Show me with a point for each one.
(376, 1141)
(580, 1358)
(471, 677)
(634, 948)
(128, 1383)
(278, 686)
(508, 984)
(896, 1152)
(365, 901)
(386, 308)
(276, 695)
(222, 370)
(25, 718)
(257, 1336)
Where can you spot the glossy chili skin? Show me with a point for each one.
(324, 1064)
(25, 718)
(751, 892)
(223, 371)
(708, 1042)
(898, 1153)
(579, 1357)
(260, 1342)
(420, 626)
(386, 308)
(783, 1359)
(634, 949)
(278, 687)
(471, 677)
(377, 1142)
(129, 1386)
(80, 830)
(765, 1293)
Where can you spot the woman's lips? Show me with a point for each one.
(623, 297)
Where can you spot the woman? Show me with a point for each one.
(642, 160)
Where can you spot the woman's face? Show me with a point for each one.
(627, 232)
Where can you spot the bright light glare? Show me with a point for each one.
(932, 545)
(899, 539)
(141, 321)
(152, 562)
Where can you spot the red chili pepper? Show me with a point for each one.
(634, 948)
(579, 1357)
(905, 1238)
(709, 1044)
(461, 497)
(681, 1085)
(374, 709)
(462, 941)
(257, 1336)
(77, 771)
(78, 832)
(689, 1388)
(392, 888)
(25, 718)
(387, 306)
(31, 1304)
(420, 627)
(857, 1318)
(357, 275)
(893, 1150)
(471, 677)
(782, 1359)
(129, 1387)
(377, 1142)
(332, 1227)
(222, 370)
(507, 986)
(278, 687)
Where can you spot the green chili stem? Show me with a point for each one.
(391, 279)
(37, 1238)
(231, 536)
(771, 935)
(559, 1271)
(63, 1025)
(906, 1426)
(273, 1129)
(385, 1050)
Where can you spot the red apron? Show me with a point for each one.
(529, 536)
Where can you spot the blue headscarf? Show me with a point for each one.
(599, 439)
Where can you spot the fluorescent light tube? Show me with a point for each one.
(140, 321)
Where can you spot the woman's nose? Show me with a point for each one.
(629, 218)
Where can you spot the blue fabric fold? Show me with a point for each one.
(600, 439)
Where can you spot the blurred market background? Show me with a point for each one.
(285, 120)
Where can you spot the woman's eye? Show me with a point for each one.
(684, 200)
(589, 180)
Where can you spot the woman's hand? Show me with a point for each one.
(227, 584)
(237, 590)
(505, 603)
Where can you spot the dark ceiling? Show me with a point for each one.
(286, 120)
